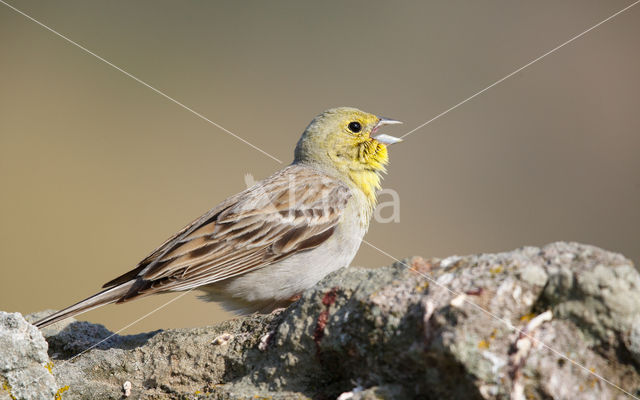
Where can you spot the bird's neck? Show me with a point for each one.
(368, 182)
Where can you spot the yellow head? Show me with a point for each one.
(340, 142)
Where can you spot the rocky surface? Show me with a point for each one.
(562, 321)
(25, 369)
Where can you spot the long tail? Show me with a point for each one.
(107, 296)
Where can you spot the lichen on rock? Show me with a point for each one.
(23, 360)
(533, 323)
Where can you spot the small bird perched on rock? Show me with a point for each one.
(259, 249)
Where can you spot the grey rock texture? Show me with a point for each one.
(24, 364)
(534, 323)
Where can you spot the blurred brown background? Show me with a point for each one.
(97, 170)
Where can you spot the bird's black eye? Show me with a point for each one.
(355, 127)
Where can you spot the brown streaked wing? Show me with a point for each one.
(203, 222)
(266, 223)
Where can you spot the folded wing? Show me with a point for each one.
(292, 211)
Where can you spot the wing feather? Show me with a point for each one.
(295, 210)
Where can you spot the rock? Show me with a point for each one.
(562, 321)
(24, 364)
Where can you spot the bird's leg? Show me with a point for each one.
(295, 297)
(288, 302)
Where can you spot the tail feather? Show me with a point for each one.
(107, 296)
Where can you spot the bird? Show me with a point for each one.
(258, 250)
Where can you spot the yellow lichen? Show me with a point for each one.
(527, 317)
(49, 367)
(63, 389)
(484, 344)
(497, 269)
(422, 287)
(6, 387)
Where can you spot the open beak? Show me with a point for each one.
(386, 139)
